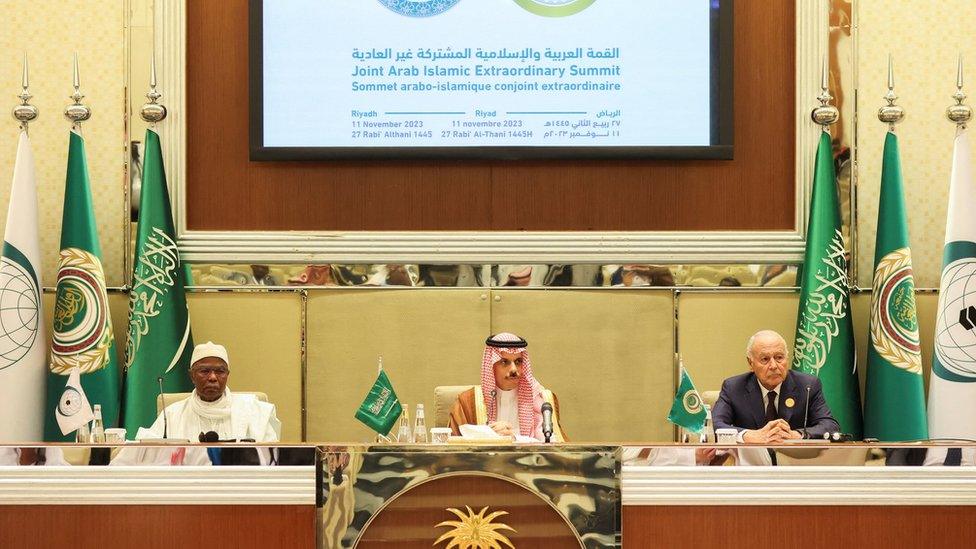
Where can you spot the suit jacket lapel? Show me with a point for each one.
(789, 391)
(756, 405)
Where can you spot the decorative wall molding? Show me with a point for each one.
(641, 485)
(488, 247)
(169, 38)
(819, 485)
(499, 247)
(191, 485)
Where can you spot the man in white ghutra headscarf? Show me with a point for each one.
(509, 399)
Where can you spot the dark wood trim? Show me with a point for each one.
(227, 191)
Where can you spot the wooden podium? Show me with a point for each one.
(153, 507)
(552, 496)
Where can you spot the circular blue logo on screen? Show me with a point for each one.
(419, 8)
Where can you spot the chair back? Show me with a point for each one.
(710, 398)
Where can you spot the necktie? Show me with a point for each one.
(770, 416)
(953, 457)
(771, 407)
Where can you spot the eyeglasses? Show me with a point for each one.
(205, 372)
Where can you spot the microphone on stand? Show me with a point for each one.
(163, 399)
(211, 437)
(547, 421)
(806, 413)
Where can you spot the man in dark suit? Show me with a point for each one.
(769, 404)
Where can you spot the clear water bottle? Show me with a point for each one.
(404, 434)
(708, 434)
(420, 426)
(83, 434)
(98, 426)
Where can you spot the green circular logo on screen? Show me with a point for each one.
(554, 8)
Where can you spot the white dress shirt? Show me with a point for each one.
(508, 408)
(765, 395)
(765, 401)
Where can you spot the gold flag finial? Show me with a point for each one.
(25, 112)
(77, 112)
(959, 114)
(826, 114)
(152, 112)
(891, 114)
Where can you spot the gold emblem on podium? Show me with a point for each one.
(475, 530)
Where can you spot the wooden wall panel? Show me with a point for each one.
(157, 526)
(796, 527)
(225, 191)
(347, 329)
(635, 363)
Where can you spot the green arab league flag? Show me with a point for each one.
(381, 407)
(159, 343)
(83, 335)
(824, 344)
(688, 410)
(894, 399)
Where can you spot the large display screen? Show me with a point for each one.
(333, 79)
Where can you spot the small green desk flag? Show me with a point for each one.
(381, 408)
(688, 410)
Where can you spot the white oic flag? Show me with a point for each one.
(23, 370)
(73, 410)
(952, 387)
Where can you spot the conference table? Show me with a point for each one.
(536, 496)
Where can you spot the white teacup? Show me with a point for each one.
(726, 436)
(439, 435)
(115, 435)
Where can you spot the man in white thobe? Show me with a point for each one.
(211, 413)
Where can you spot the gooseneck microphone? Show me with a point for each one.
(806, 413)
(212, 437)
(547, 421)
(163, 399)
(209, 437)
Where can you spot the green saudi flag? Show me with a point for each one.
(83, 337)
(824, 344)
(381, 407)
(894, 399)
(688, 410)
(159, 342)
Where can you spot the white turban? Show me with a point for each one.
(209, 349)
